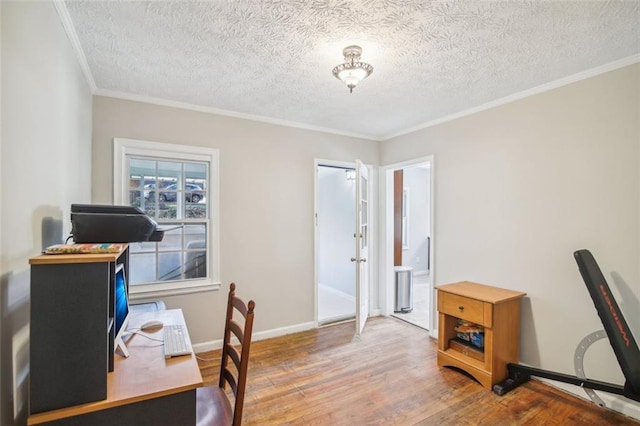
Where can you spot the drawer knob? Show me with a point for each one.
(461, 308)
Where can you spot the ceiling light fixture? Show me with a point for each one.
(350, 174)
(352, 71)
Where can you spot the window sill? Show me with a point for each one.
(175, 288)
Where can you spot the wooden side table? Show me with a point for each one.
(495, 309)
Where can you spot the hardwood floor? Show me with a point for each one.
(386, 377)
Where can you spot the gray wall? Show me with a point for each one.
(266, 199)
(519, 188)
(45, 154)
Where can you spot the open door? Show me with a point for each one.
(362, 245)
(335, 214)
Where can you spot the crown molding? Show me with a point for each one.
(583, 75)
(67, 24)
(82, 60)
(630, 60)
(226, 113)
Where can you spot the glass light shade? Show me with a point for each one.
(352, 71)
(352, 74)
(352, 77)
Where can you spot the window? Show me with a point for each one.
(177, 186)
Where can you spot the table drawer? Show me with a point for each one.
(465, 308)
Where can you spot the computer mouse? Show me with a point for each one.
(151, 324)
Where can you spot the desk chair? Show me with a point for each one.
(212, 404)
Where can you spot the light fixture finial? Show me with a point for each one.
(352, 71)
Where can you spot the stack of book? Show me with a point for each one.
(84, 248)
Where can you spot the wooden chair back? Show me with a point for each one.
(213, 404)
(236, 377)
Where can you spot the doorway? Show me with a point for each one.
(335, 272)
(407, 241)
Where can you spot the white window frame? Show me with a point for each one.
(126, 147)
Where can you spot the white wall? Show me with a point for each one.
(266, 197)
(336, 225)
(520, 187)
(45, 155)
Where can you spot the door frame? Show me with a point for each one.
(385, 272)
(372, 262)
(316, 240)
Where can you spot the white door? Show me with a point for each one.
(362, 245)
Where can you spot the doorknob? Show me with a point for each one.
(353, 259)
(363, 260)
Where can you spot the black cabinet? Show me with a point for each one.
(72, 332)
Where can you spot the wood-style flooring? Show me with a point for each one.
(388, 376)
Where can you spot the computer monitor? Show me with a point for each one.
(121, 309)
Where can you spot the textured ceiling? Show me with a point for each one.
(272, 59)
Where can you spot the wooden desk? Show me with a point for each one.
(144, 389)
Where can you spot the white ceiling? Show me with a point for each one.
(272, 59)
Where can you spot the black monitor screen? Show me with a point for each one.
(122, 303)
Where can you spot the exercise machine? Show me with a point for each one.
(615, 328)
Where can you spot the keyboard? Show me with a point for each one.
(176, 342)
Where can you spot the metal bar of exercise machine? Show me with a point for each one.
(615, 328)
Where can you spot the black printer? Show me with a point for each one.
(103, 223)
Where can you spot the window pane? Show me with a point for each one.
(150, 206)
(195, 182)
(167, 210)
(142, 268)
(169, 266)
(364, 210)
(196, 211)
(180, 255)
(169, 172)
(172, 240)
(196, 264)
(169, 192)
(139, 169)
(363, 183)
(142, 168)
(195, 237)
(365, 236)
(195, 172)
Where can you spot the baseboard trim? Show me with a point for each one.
(614, 402)
(260, 335)
(212, 345)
